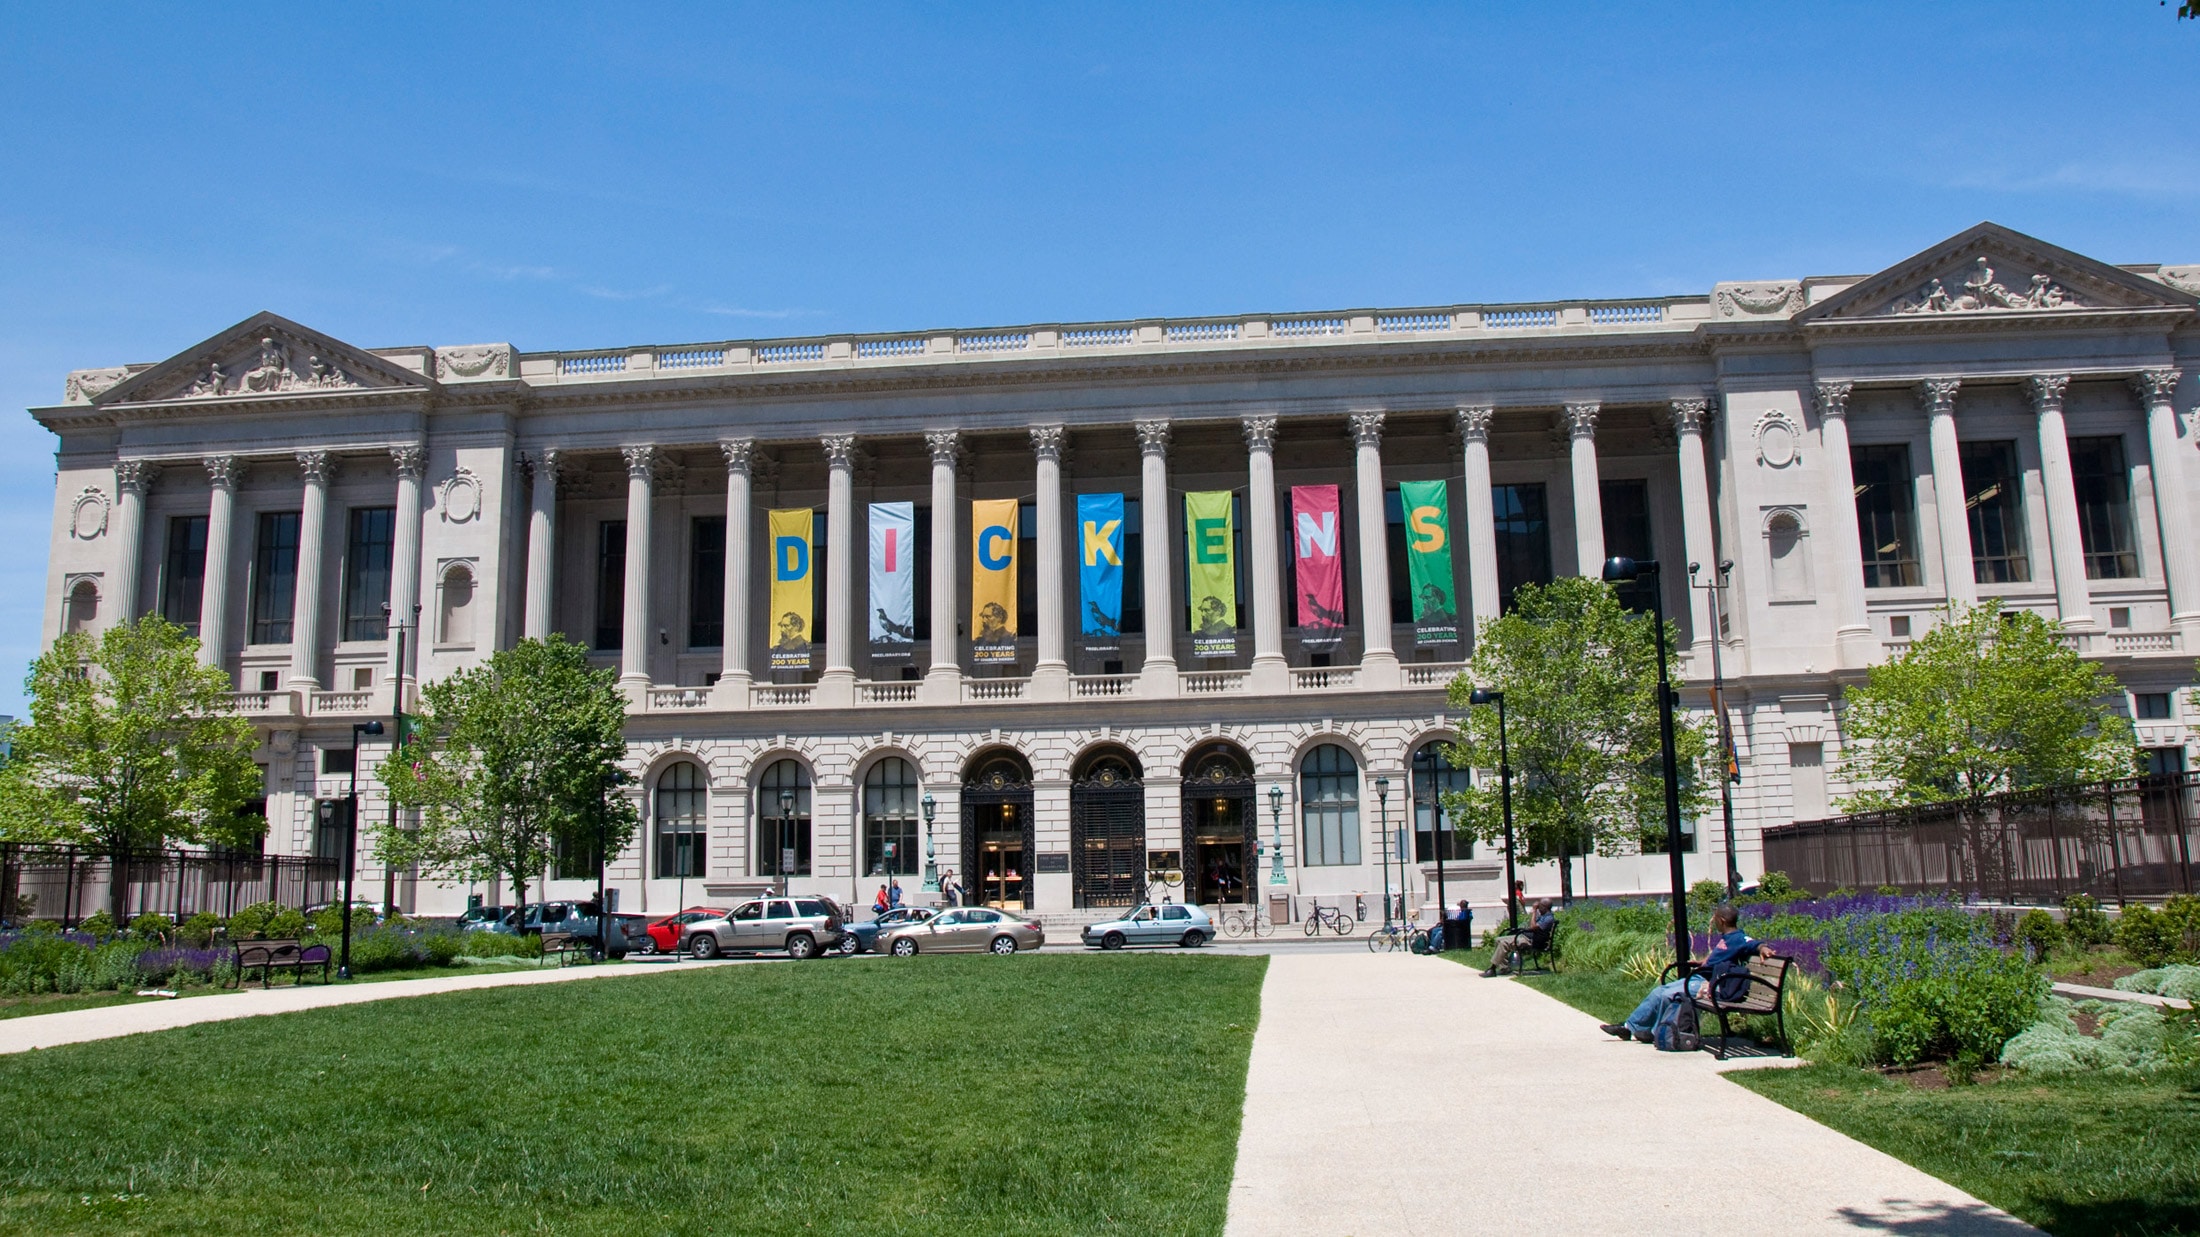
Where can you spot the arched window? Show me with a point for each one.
(783, 820)
(1433, 776)
(1329, 806)
(83, 606)
(683, 819)
(890, 801)
(458, 607)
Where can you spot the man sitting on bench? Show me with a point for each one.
(1731, 949)
(1541, 923)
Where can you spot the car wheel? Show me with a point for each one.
(1113, 940)
(648, 946)
(1004, 944)
(1192, 939)
(849, 946)
(904, 947)
(704, 946)
(801, 948)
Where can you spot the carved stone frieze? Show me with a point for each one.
(1779, 439)
(88, 515)
(1981, 292)
(2183, 278)
(1759, 300)
(86, 385)
(458, 499)
(473, 361)
(272, 367)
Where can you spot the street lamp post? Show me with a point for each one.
(397, 709)
(351, 840)
(786, 835)
(931, 863)
(1485, 695)
(1276, 877)
(1436, 837)
(1730, 769)
(1619, 570)
(613, 778)
(1382, 806)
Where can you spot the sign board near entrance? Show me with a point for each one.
(1057, 861)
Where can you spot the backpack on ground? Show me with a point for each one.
(1675, 1030)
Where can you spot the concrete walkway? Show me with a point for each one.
(1392, 1094)
(77, 1026)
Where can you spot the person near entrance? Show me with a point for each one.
(1541, 925)
(893, 894)
(879, 903)
(952, 888)
(1458, 928)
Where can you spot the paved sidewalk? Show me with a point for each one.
(1392, 1094)
(2083, 992)
(79, 1025)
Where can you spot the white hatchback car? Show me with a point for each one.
(1166, 923)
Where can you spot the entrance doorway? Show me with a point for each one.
(1221, 828)
(1107, 829)
(997, 841)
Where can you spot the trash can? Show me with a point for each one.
(1279, 909)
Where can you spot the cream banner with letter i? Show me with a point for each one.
(893, 581)
(1317, 567)
(1100, 570)
(1210, 558)
(993, 582)
(1428, 561)
(792, 587)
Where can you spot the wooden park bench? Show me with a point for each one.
(567, 946)
(273, 956)
(1767, 987)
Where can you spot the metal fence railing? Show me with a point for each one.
(70, 883)
(2121, 840)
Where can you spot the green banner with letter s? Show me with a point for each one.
(1428, 561)
(1210, 550)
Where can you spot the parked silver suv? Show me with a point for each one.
(802, 926)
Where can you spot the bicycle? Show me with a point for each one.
(1244, 920)
(1330, 917)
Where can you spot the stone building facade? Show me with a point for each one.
(1994, 417)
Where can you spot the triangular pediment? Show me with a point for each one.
(1989, 272)
(264, 355)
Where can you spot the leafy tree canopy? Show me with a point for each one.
(1580, 677)
(1988, 700)
(513, 762)
(131, 744)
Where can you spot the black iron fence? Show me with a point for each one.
(2117, 841)
(69, 883)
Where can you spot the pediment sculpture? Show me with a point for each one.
(270, 367)
(1982, 291)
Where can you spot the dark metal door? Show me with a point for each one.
(1107, 840)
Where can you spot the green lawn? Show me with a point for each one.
(2078, 1158)
(63, 1002)
(1047, 1094)
(1608, 996)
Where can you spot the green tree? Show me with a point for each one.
(1988, 700)
(1580, 678)
(512, 762)
(131, 745)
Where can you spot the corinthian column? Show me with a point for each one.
(405, 565)
(305, 610)
(2155, 388)
(1483, 591)
(132, 479)
(1581, 429)
(2065, 544)
(1937, 397)
(641, 477)
(734, 675)
(1378, 664)
(837, 685)
(1158, 675)
(943, 680)
(1050, 673)
(224, 471)
(1688, 419)
(1852, 634)
(542, 546)
(1271, 673)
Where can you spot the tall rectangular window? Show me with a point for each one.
(1521, 519)
(183, 580)
(1134, 569)
(367, 548)
(611, 584)
(1886, 514)
(707, 582)
(1394, 553)
(1992, 495)
(920, 551)
(274, 576)
(1627, 535)
(2104, 508)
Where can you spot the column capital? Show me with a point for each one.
(1047, 441)
(641, 462)
(1833, 399)
(2155, 386)
(135, 476)
(944, 445)
(545, 464)
(1937, 396)
(840, 450)
(1367, 427)
(1153, 437)
(225, 471)
(410, 462)
(1581, 418)
(315, 467)
(737, 452)
(1260, 431)
(2046, 391)
(1474, 421)
(1688, 413)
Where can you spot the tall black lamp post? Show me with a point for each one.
(1619, 571)
(351, 841)
(1382, 806)
(1730, 769)
(613, 779)
(931, 861)
(786, 835)
(1486, 695)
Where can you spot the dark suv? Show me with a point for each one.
(802, 926)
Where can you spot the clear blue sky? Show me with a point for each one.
(556, 177)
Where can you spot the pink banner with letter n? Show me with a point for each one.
(1315, 553)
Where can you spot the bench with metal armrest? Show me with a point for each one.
(272, 956)
(568, 946)
(1764, 995)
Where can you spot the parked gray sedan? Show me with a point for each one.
(965, 929)
(1168, 923)
(803, 927)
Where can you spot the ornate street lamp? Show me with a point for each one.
(1730, 769)
(1619, 570)
(786, 835)
(1382, 805)
(351, 840)
(1485, 695)
(931, 864)
(1275, 820)
(612, 779)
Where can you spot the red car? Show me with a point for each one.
(666, 932)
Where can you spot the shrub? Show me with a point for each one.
(198, 931)
(503, 945)
(32, 962)
(153, 927)
(250, 924)
(100, 923)
(329, 921)
(2146, 936)
(2084, 921)
(1932, 984)
(285, 925)
(2038, 934)
(2182, 913)
(1889, 891)
(179, 963)
(1775, 887)
(1605, 951)
(2182, 982)
(2133, 1039)
(1703, 897)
